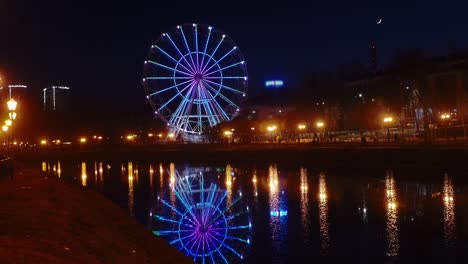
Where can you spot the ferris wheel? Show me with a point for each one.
(194, 77)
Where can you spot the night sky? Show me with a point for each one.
(98, 49)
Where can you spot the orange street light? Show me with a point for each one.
(12, 104)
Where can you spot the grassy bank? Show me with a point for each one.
(47, 221)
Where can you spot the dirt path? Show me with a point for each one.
(43, 220)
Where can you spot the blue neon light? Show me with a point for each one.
(278, 213)
(274, 84)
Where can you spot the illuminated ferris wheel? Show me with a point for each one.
(194, 77)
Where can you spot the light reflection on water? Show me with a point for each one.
(304, 188)
(131, 198)
(84, 176)
(393, 244)
(265, 190)
(449, 212)
(323, 215)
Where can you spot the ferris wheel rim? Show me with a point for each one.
(173, 89)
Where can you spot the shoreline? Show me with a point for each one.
(45, 220)
(325, 154)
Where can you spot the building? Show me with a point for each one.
(55, 98)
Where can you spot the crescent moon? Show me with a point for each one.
(379, 22)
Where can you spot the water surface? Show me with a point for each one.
(303, 213)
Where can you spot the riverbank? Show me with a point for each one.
(44, 220)
(325, 154)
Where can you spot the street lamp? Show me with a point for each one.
(301, 127)
(445, 118)
(387, 121)
(12, 115)
(272, 129)
(320, 125)
(8, 122)
(5, 128)
(12, 104)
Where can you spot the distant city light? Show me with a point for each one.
(445, 116)
(274, 83)
(272, 128)
(171, 135)
(43, 142)
(8, 122)
(320, 124)
(83, 140)
(388, 119)
(5, 128)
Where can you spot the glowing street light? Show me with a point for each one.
(8, 122)
(228, 133)
(320, 124)
(445, 118)
(301, 126)
(171, 135)
(83, 140)
(272, 128)
(387, 121)
(12, 115)
(5, 128)
(43, 142)
(12, 104)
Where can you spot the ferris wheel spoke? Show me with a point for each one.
(180, 53)
(225, 87)
(172, 58)
(169, 68)
(206, 46)
(179, 115)
(189, 109)
(208, 109)
(212, 54)
(200, 124)
(196, 47)
(222, 96)
(226, 77)
(168, 88)
(174, 97)
(167, 78)
(224, 68)
(222, 58)
(194, 66)
(218, 107)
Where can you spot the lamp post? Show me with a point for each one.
(320, 126)
(272, 129)
(301, 127)
(11, 105)
(445, 118)
(387, 122)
